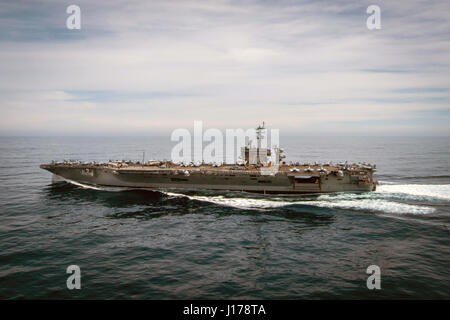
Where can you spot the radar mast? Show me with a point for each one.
(259, 137)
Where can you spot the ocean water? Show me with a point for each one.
(224, 245)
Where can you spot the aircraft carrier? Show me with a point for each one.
(254, 173)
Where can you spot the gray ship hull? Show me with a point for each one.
(197, 179)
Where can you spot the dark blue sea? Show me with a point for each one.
(222, 245)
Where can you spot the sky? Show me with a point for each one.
(150, 67)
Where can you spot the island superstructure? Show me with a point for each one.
(260, 170)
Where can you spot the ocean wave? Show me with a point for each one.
(375, 205)
(84, 186)
(430, 177)
(382, 182)
(242, 203)
(379, 201)
(418, 192)
(441, 192)
(98, 188)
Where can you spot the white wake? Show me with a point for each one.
(434, 191)
(376, 205)
(379, 201)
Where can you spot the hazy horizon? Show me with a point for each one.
(161, 135)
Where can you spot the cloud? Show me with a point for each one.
(144, 67)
